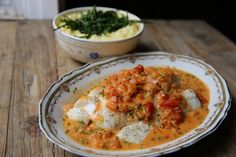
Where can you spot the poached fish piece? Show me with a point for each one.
(86, 105)
(78, 114)
(134, 133)
(107, 119)
(191, 98)
(84, 108)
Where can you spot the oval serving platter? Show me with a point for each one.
(73, 84)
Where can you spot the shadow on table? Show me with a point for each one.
(144, 48)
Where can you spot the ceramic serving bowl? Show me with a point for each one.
(86, 50)
(73, 84)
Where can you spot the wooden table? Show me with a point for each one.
(30, 61)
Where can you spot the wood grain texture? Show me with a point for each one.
(35, 61)
(200, 40)
(34, 70)
(7, 45)
(64, 63)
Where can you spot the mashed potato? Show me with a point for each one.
(122, 33)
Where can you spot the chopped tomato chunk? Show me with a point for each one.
(150, 109)
(170, 103)
(139, 68)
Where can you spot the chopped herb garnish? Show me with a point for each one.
(102, 91)
(159, 138)
(84, 141)
(76, 129)
(74, 90)
(81, 122)
(105, 147)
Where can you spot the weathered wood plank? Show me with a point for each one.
(211, 46)
(65, 64)
(38, 63)
(198, 39)
(34, 71)
(194, 38)
(147, 41)
(166, 38)
(217, 50)
(7, 47)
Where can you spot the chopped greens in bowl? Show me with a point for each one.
(94, 22)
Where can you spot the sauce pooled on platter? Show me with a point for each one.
(138, 108)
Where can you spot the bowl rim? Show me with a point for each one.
(92, 40)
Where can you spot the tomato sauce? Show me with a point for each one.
(146, 94)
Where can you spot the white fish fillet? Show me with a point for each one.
(191, 98)
(86, 105)
(134, 133)
(109, 119)
(85, 109)
(89, 103)
(103, 102)
(94, 95)
(78, 114)
(81, 102)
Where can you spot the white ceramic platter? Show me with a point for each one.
(71, 85)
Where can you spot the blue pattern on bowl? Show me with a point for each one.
(94, 55)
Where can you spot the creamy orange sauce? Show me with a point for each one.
(85, 135)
